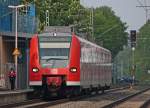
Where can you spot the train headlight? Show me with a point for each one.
(35, 69)
(73, 69)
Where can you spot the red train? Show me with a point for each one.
(68, 65)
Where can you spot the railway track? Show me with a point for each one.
(101, 101)
(146, 104)
(136, 100)
(39, 103)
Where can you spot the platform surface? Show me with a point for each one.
(13, 96)
(4, 92)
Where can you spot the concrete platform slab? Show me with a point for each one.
(13, 96)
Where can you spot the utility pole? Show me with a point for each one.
(92, 22)
(145, 7)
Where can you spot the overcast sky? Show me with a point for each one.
(134, 16)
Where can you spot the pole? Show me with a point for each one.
(27, 53)
(121, 69)
(16, 42)
(145, 8)
(16, 57)
(133, 67)
(92, 22)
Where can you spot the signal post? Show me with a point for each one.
(133, 45)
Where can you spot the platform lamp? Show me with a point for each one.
(16, 51)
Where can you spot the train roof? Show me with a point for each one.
(60, 29)
(69, 34)
(92, 44)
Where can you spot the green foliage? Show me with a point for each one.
(109, 30)
(142, 52)
(61, 12)
(141, 57)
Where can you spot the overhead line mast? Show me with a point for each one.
(145, 6)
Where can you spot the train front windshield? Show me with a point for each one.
(54, 51)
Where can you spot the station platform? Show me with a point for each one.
(13, 96)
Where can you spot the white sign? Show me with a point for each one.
(54, 71)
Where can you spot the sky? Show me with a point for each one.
(127, 10)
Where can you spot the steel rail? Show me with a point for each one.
(146, 104)
(119, 101)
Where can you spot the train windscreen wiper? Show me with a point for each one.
(56, 59)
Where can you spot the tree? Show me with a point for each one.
(142, 58)
(61, 12)
(109, 30)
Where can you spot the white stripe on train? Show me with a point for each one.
(73, 82)
(35, 83)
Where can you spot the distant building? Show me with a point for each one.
(27, 25)
(5, 15)
(27, 21)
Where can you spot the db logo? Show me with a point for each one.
(54, 71)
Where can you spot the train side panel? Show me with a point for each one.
(86, 75)
(95, 66)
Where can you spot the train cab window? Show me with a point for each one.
(54, 54)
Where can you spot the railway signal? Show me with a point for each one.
(133, 38)
(133, 45)
(133, 35)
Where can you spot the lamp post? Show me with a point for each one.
(16, 51)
